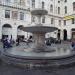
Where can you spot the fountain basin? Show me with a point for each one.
(22, 58)
(39, 29)
(39, 32)
(39, 11)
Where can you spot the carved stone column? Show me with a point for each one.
(39, 41)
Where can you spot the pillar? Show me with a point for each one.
(61, 35)
(69, 35)
(14, 33)
(39, 41)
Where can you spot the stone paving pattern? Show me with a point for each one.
(14, 70)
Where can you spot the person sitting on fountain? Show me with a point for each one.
(48, 42)
(4, 42)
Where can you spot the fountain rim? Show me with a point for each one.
(39, 11)
(57, 61)
(39, 29)
(5, 53)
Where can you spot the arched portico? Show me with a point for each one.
(64, 34)
(20, 33)
(58, 34)
(6, 31)
(73, 33)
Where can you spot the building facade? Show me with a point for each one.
(16, 13)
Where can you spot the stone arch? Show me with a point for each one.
(20, 26)
(20, 33)
(58, 34)
(73, 33)
(6, 31)
(7, 25)
(51, 8)
(64, 34)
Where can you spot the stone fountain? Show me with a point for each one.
(39, 54)
(39, 31)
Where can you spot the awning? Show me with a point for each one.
(69, 17)
(73, 29)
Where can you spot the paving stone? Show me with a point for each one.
(6, 69)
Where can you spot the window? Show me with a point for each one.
(51, 8)
(73, 20)
(14, 14)
(43, 4)
(65, 9)
(7, 13)
(58, 1)
(64, 22)
(28, 2)
(7, 1)
(58, 10)
(52, 20)
(33, 3)
(65, 1)
(33, 19)
(59, 22)
(15, 1)
(73, 6)
(43, 19)
(21, 16)
(0, 1)
(22, 2)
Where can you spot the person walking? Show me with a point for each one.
(9, 43)
(18, 41)
(4, 42)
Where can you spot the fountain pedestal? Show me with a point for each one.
(39, 31)
(39, 42)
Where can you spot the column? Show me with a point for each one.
(69, 34)
(39, 44)
(61, 35)
(14, 33)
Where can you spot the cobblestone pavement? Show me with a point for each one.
(14, 70)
